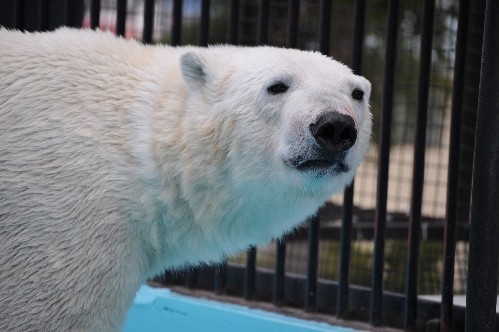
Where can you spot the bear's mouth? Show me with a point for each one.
(336, 165)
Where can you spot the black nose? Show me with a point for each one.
(335, 132)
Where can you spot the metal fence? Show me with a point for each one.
(402, 230)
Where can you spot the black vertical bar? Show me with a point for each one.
(345, 249)
(249, 273)
(346, 228)
(483, 254)
(167, 277)
(18, 14)
(384, 163)
(94, 14)
(121, 18)
(67, 12)
(325, 26)
(233, 21)
(411, 292)
(313, 224)
(190, 278)
(446, 309)
(293, 15)
(279, 272)
(263, 22)
(219, 286)
(176, 22)
(204, 24)
(148, 21)
(358, 35)
(43, 15)
(312, 263)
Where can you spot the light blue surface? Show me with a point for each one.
(157, 310)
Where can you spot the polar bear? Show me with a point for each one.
(118, 160)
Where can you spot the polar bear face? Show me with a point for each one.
(287, 129)
(307, 114)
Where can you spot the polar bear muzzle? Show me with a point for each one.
(333, 134)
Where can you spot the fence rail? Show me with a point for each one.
(484, 225)
(373, 303)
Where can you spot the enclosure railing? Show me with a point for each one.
(310, 292)
(484, 225)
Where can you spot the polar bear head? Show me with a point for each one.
(273, 133)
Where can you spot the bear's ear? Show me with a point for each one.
(193, 67)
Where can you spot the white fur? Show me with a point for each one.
(118, 160)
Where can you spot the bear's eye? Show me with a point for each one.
(357, 94)
(278, 87)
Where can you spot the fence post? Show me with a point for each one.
(279, 272)
(219, 284)
(121, 12)
(376, 309)
(484, 225)
(346, 225)
(18, 14)
(204, 24)
(293, 19)
(419, 167)
(147, 33)
(280, 265)
(312, 263)
(233, 29)
(176, 23)
(446, 308)
(95, 14)
(43, 18)
(250, 273)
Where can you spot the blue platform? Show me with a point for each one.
(156, 310)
